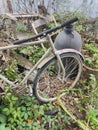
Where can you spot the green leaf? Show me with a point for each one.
(2, 118)
(24, 124)
(6, 111)
(14, 98)
(2, 127)
(92, 77)
(23, 108)
(25, 116)
(96, 61)
(41, 111)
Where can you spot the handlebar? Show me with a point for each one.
(44, 33)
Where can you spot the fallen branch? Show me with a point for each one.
(81, 125)
(89, 71)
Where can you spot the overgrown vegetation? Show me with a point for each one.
(26, 113)
(33, 53)
(91, 55)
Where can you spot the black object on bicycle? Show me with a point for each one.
(47, 31)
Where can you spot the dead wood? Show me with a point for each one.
(22, 61)
(91, 21)
(89, 71)
(41, 22)
(85, 35)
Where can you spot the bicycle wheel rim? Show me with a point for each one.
(40, 83)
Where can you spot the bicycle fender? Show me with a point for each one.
(71, 51)
(60, 52)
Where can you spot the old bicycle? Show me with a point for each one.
(56, 69)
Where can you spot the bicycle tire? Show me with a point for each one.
(39, 79)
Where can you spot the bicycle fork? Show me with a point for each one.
(56, 53)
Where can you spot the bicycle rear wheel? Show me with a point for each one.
(48, 80)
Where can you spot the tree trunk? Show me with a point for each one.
(9, 5)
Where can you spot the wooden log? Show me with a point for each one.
(9, 5)
(9, 16)
(26, 15)
(41, 22)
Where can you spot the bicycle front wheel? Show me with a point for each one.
(48, 82)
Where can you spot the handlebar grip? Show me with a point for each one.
(69, 22)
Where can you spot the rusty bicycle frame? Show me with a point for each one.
(41, 61)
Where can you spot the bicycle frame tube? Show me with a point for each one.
(56, 54)
(7, 81)
(22, 45)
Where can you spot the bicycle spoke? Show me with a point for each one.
(49, 80)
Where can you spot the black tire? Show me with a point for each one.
(47, 82)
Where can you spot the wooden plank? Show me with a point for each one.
(21, 60)
(17, 16)
(25, 15)
(41, 22)
(39, 37)
(9, 16)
